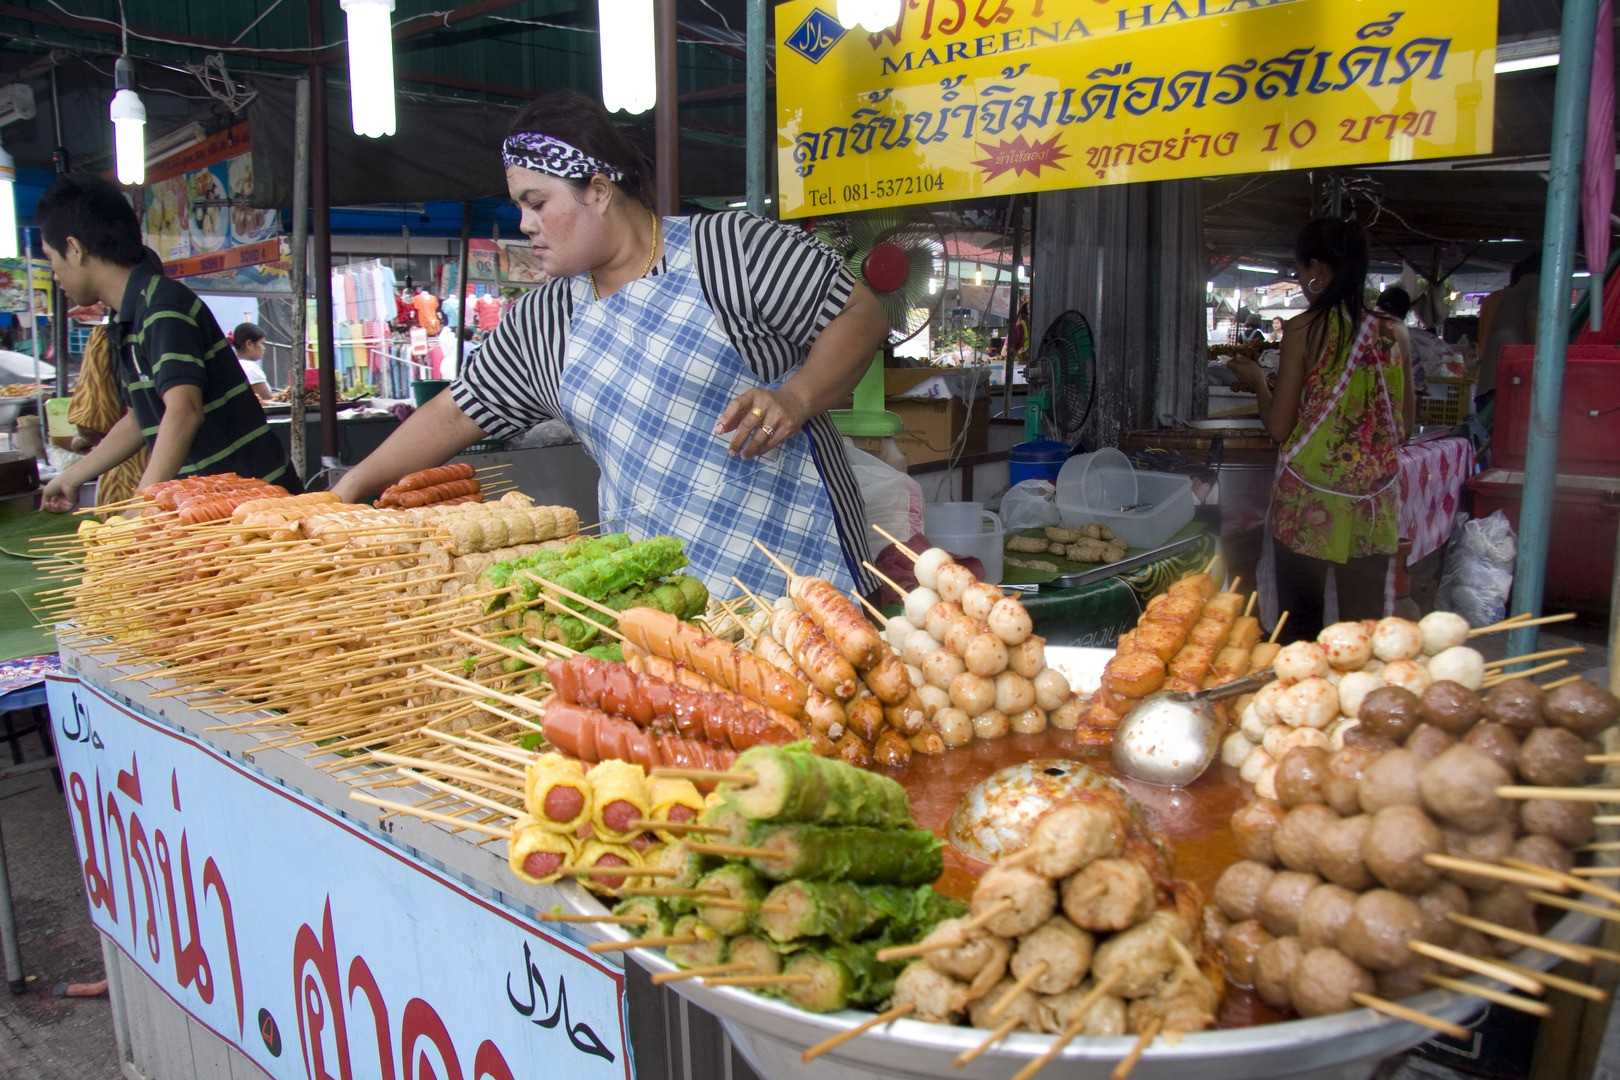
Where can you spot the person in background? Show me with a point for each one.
(1276, 329)
(1512, 321)
(1252, 333)
(188, 401)
(1342, 407)
(248, 340)
(94, 408)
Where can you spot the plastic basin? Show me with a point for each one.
(1104, 479)
(1166, 502)
(967, 529)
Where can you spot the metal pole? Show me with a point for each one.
(1552, 319)
(8, 929)
(321, 206)
(1016, 214)
(461, 284)
(59, 306)
(666, 118)
(758, 114)
(300, 281)
(33, 327)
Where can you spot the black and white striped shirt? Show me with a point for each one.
(773, 290)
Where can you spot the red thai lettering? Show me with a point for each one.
(361, 979)
(422, 1024)
(191, 966)
(316, 990)
(215, 881)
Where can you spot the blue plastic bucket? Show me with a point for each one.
(1038, 460)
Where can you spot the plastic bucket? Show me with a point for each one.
(57, 424)
(425, 390)
(967, 529)
(1041, 459)
(1103, 480)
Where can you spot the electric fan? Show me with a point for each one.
(1062, 381)
(897, 257)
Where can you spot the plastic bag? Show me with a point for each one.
(893, 499)
(1029, 504)
(1479, 570)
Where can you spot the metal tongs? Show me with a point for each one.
(1086, 577)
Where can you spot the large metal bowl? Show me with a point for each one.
(772, 1034)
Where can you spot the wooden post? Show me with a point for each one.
(666, 116)
(321, 205)
(299, 449)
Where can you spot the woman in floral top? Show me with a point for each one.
(1341, 409)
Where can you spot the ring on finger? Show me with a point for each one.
(756, 412)
(768, 430)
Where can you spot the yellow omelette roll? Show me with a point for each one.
(557, 793)
(598, 853)
(536, 854)
(671, 797)
(619, 795)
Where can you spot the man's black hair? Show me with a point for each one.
(94, 211)
(1395, 300)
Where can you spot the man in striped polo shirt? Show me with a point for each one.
(188, 399)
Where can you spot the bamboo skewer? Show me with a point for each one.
(664, 977)
(428, 815)
(850, 1034)
(1076, 1026)
(1487, 968)
(1150, 1031)
(895, 540)
(1565, 794)
(654, 825)
(1519, 622)
(736, 851)
(1579, 954)
(1544, 654)
(1596, 871)
(922, 948)
(653, 942)
(887, 580)
(1597, 910)
(1411, 1016)
(871, 609)
(1022, 983)
(1533, 878)
(760, 980)
(673, 892)
(1565, 681)
(1276, 631)
(973, 1053)
(739, 777)
(1559, 982)
(610, 920)
(1540, 669)
(620, 871)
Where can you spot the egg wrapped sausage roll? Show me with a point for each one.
(599, 853)
(557, 793)
(676, 801)
(536, 854)
(619, 795)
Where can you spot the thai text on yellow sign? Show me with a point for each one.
(968, 98)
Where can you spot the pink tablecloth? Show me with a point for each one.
(1432, 477)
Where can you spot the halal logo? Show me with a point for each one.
(816, 36)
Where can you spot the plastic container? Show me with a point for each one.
(425, 390)
(1585, 518)
(1588, 415)
(57, 424)
(967, 529)
(1103, 480)
(1041, 459)
(1166, 502)
(1445, 402)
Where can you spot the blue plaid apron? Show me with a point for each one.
(647, 373)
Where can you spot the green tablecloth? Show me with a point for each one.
(1096, 614)
(21, 581)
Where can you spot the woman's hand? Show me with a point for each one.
(763, 420)
(1248, 372)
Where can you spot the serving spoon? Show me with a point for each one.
(1171, 738)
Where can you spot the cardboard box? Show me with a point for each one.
(931, 426)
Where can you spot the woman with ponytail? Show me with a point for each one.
(1341, 409)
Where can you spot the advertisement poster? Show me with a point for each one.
(964, 100)
(14, 287)
(314, 947)
(519, 265)
(196, 201)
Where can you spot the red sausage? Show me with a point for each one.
(563, 803)
(681, 812)
(618, 814)
(571, 729)
(539, 864)
(642, 841)
(610, 882)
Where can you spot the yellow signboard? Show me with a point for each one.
(969, 98)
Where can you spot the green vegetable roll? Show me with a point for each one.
(794, 785)
(696, 595)
(709, 949)
(846, 912)
(760, 955)
(658, 916)
(855, 853)
(842, 976)
(739, 883)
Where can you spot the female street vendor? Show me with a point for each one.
(695, 359)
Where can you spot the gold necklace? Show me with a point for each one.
(652, 257)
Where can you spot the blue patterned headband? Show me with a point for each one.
(544, 154)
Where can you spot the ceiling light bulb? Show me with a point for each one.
(873, 16)
(371, 66)
(629, 58)
(129, 135)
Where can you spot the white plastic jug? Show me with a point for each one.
(968, 529)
